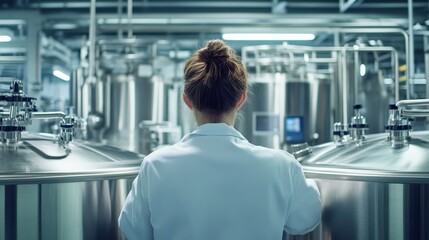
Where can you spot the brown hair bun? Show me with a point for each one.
(215, 78)
(215, 51)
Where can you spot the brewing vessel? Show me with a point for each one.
(48, 193)
(376, 186)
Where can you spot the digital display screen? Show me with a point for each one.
(266, 123)
(294, 129)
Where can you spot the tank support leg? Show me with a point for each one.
(10, 212)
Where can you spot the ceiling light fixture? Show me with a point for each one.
(5, 38)
(268, 36)
(59, 74)
(65, 26)
(362, 70)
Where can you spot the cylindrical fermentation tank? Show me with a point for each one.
(298, 92)
(52, 187)
(126, 90)
(47, 193)
(286, 83)
(374, 189)
(276, 96)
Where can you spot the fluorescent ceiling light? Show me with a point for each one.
(268, 36)
(61, 75)
(133, 21)
(5, 38)
(362, 70)
(65, 26)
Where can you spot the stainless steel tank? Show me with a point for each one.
(127, 88)
(278, 96)
(298, 92)
(370, 190)
(375, 96)
(287, 84)
(47, 193)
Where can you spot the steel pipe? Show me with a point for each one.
(12, 59)
(415, 102)
(388, 30)
(48, 115)
(347, 48)
(343, 50)
(130, 16)
(92, 31)
(415, 113)
(410, 65)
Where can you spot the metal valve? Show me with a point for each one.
(67, 126)
(398, 128)
(22, 110)
(341, 134)
(358, 125)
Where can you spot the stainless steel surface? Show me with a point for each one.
(373, 159)
(47, 193)
(266, 98)
(21, 112)
(128, 93)
(415, 102)
(406, 46)
(50, 189)
(378, 89)
(415, 113)
(38, 159)
(313, 82)
(155, 135)
(358, 125)
(83, 210)
(375, 97)
(371, 191)
(301, 150)
(398, 128)
(370, 210)
(403, 104)
(341, 134)
(128, 89)
(47, 115)
(285, 81)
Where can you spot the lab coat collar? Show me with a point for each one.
(215, 129)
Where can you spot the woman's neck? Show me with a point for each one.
(203, 118)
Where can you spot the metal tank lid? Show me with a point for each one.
(38, 159)
(372, 160)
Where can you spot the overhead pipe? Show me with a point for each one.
(412, 103)
(410, 65)
(426, 52)
(130, 15)
(348, 48)
(425, 35)
(346, 5)
(120, 31)
(343, 50)
(389, 30)
(92, 30)
(188, 4)
(38, 115)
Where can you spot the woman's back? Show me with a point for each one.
(214, 184)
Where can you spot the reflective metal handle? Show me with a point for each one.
(48, 115)
(416, 102)
(413, 112)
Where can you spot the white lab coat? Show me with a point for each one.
(215, 185)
